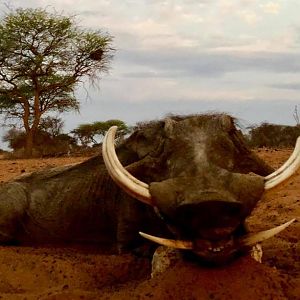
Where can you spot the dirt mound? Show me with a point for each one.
(69, 273)
(86, 273)
(244, 279)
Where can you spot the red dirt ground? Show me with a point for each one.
(86, 273)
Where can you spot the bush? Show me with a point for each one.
(272, 135)
(44, 144)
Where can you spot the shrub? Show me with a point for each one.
(272, 135)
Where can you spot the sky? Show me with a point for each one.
(241, 57)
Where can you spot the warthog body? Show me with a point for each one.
(202, 177)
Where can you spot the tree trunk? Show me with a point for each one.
(30, 131)
(29, 144)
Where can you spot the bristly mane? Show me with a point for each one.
(201, 116)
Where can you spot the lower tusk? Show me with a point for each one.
(286, 170)
(246, 241)
(253, 239)
(177, 244)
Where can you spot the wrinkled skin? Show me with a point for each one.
(203, 179)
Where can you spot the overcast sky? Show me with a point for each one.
(190, 56)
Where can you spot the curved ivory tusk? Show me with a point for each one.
(119, 174)
(177, 244)
(253, 239)
(295, 153)
(246, 241)
(286, 170)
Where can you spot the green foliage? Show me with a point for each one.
(15, 139)
(52, 125)
(87, 133)
(84, 133)
(272, 135)
(44, 143)
(43, 57)
(48, 140)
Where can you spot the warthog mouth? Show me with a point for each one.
(208, 249)
(216, 252)
(222, 250)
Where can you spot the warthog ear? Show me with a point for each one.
(227, 122)
(169, 124)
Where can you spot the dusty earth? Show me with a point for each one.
(87, 273)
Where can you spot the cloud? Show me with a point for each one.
(182, 62)
(253, 111)
(191, 55)
(287, 86)
(248, 16)
(187, 23)
(271, 8)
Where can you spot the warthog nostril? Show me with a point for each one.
(209, 215)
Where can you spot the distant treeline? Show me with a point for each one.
(273, 135)
(49, 140)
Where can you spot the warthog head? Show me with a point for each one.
(207, 183)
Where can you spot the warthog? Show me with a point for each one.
(195, 177)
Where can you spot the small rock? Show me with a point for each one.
(164, 258)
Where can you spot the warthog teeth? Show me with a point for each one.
(246, 241)
(216, 249)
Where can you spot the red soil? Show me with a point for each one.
(86, 273)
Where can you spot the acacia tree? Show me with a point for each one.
(43, 57)
(87, 133)
(49, 139)
(52, 125)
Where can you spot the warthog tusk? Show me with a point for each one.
(177, 244)
(254, 238)
(246, 241)
(119, 174)
(286, 170)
